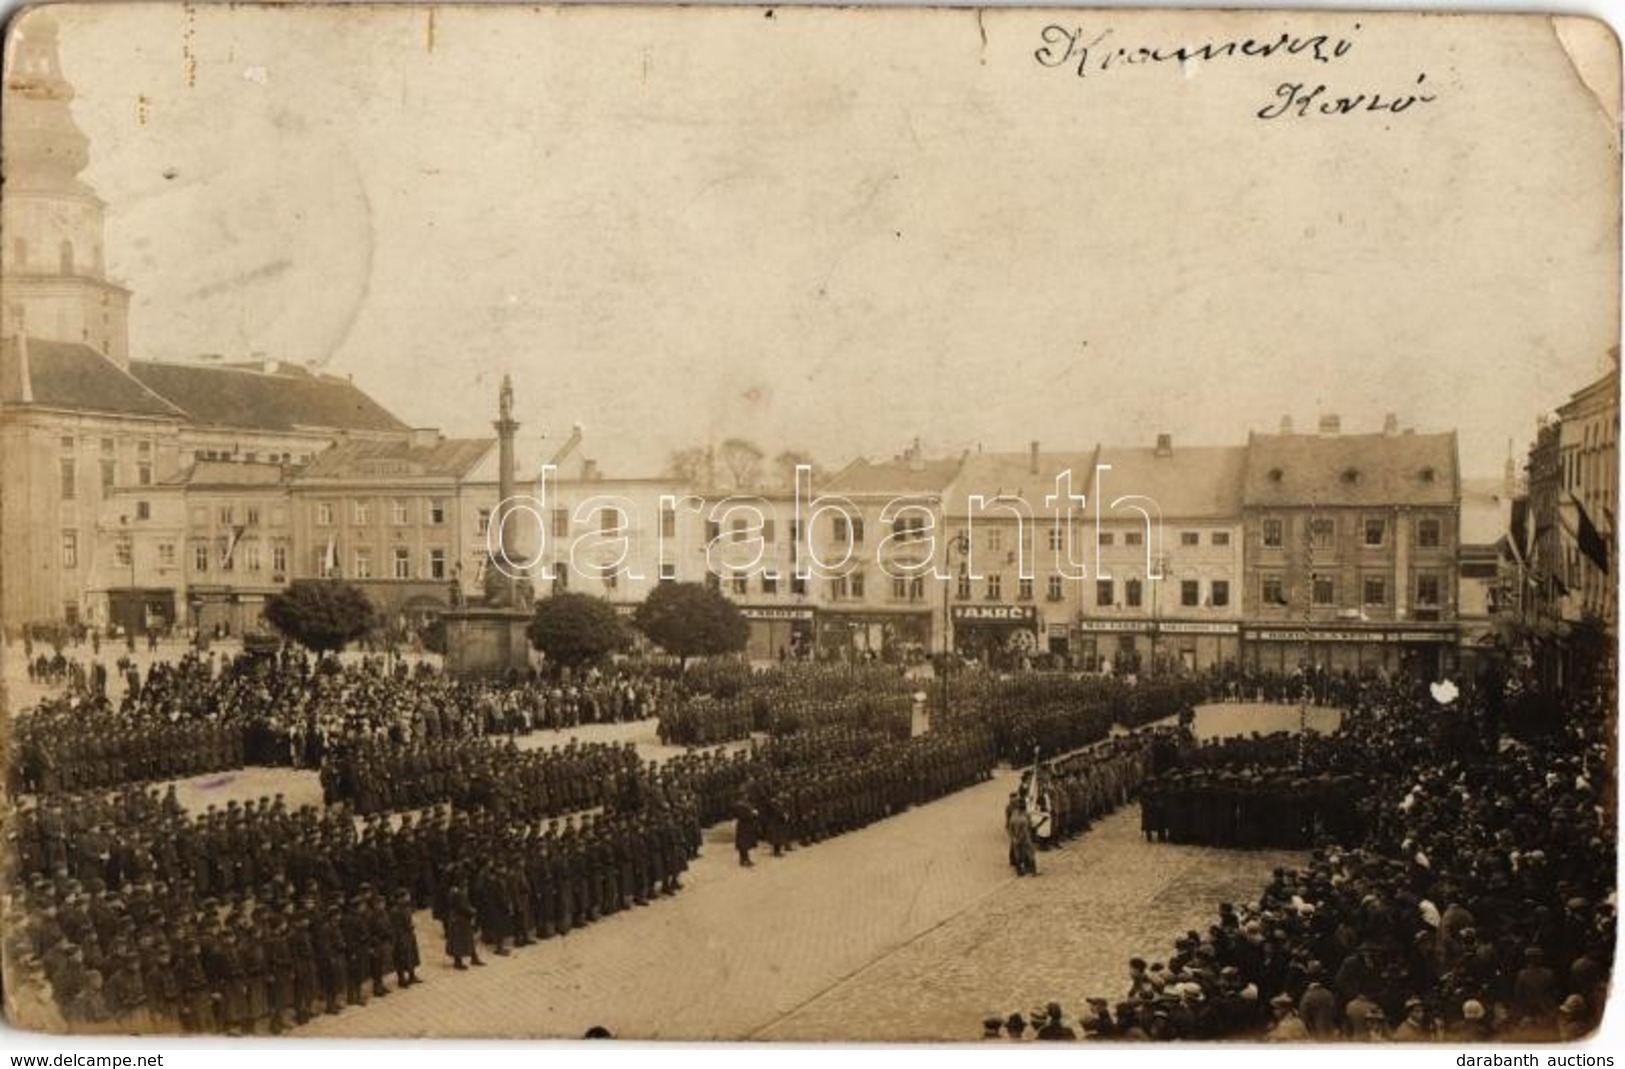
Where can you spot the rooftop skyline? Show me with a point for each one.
(957, 245)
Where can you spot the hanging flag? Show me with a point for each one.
(231, 545)
(330, 560)
(1591, 542)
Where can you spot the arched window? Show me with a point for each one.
(65, 252)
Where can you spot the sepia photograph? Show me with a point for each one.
(792, 525)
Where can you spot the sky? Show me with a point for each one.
(838, 231)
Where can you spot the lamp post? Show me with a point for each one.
(961, 543)
(1162, 561)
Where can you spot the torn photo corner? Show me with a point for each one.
(778, 523)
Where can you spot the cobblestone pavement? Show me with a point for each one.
(911, 929)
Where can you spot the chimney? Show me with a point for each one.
(1032, 458)
(1286, 424)
(423, 437)
(1165, 445)
(1390, 424)
(1330, 424)
(589, 471)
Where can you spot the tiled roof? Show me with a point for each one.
(77, 377)
(231, 473)
(1351, 469)
(445, 458)
(891, 477)
(1189, 482)
(1012, 475)
(251, 398)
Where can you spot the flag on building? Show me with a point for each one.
(330, 559)
(1591, 542)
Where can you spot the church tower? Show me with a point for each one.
(56, 285)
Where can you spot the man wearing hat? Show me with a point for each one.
(1054, 1028)
(1414, 1028)
(1016, 1026)
(993, 1027)
(1287, 1027)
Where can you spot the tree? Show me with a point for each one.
(786, 463)
(692, 620)
(743, 459)
(576, 630)
(322, 615)
(687, 465)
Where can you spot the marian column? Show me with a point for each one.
(506, 427)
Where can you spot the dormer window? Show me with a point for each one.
(1350, 476)
(1275, 475)
(1426, 475)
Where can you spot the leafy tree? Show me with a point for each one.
(322, 615)
(743, 459)
(688, 465)
(576, 630)
(787, 460)
(692, 620)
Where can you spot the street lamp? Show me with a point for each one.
(960, 542)
(1161, 561)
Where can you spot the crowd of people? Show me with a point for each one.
(724, 703)
(1473, 898)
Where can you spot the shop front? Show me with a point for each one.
(141, 611)
(1133, 646)
(997, 634)
(778, 632)
(1427, 651)
(895, 637)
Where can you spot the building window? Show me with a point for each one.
(200, 558)
(397, 512)
(609, 522)
(166, 554)
(1274, 534)
(770, 583)
(109, 474)
(1190, 593)
(741, 583)
(962, 588)
(482, 525)
(736, 531)
(798, 585)
(227, 551)
(995, 538)
(253, 512)
(70, 549)
(899, 588)
(1272, 590)
(437, 511)
(279, 560)
(1107, 538)
(561, 523)
(1427, 590)
(1133, 593)
(324, 514)
(767, 531)
(857, 530)
(1024, 590)
(1325, 590)
(908, 528)
(227, 515)
(1219, 593)
(437, 564)
(668, 571)
(1057, 538)
(837, 587)
(612, 578)
(1104, 592)
(143, 510)
(1190, 538)
(124, 553)
(1427, 533)
(1376, 529)
(855, 580)
(363, 513)
(1376, 590)
(403, 563)
(1323, 532)
(1134, 538)
(143, 463)
(561, 577)
(1054, 591)
(363, 564)
(70, 479)
(668, 523)
(841, 530)
(995, 587)
(1219, 538)
(251, 556)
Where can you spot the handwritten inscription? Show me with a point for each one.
(1071, 50)
(1068, 48)
(1298, 100)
